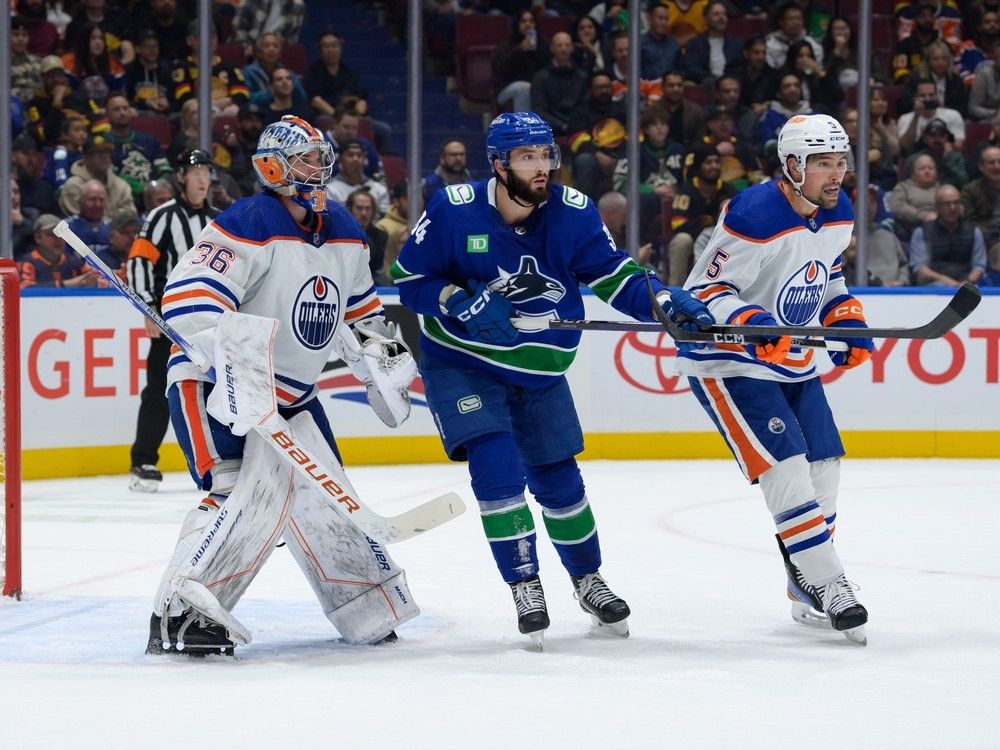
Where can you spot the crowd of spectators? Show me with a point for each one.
(105, 103)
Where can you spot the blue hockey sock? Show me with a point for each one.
(569, 521)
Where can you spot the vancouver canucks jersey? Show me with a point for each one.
(765, 254)
(254, 257)
(538, 266)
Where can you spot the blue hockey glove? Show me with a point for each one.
(688, 312)
(775, 348)
(485, 314)
(845, 311)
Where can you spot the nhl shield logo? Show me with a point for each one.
(315, 312)
(800, 297)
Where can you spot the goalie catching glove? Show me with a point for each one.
(377, 356)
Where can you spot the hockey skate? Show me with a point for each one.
(607, 610)
(188, 634)
(532, 614)
(807, 600)
(844, 611)
(145, 478)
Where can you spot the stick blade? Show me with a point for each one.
(427, 516)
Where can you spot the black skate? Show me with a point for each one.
(532, 614)
(846, 613)
(605, 607)
(807, 600)
(145, 478)
(189, 634)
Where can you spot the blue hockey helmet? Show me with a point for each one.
(512, 130)
(280, 165)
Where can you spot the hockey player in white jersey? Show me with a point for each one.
(775, 259)
(286, 255)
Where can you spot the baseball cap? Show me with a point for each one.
(144, 34)
(123, 218)
(20, 23)
(50, 63)
(937, 125)
(24, 142)
(249, 109)
(97, 143)
(47, 222)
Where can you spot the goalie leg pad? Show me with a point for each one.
(362, 590)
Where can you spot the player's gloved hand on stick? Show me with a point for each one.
(845, 311)
(775, 348)
(688, 312)
(485, 314)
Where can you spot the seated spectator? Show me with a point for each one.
(791, 27)
(613, 209)
(927, 107)
(597, 132)
(992, 276)
(978, 48)
(267, 57)
(234, 151)
(981, 197)
(649, 89)
(945, 14)
(60, 158)
(948, 250)
(122, 230)
(661, 160)
(912, 200)
(973, 154)
(96, 165)
(254, 17)
(92, 224)
(362, 207)
(937, 66)
(137, 157)
(90, 59)
(328, 80)
(282, 88)
(25, 68)
(787, 103)
(396, 225)
(35, 192)
(909, 53)
(558, 87)
(45, 109)
(887, 262)
(147, 77)
(840, 50)
(229, 90)
(881, 164)
(588, 45)
(884, 130)
(114, 23)
(170, 27)
(757, 79)
(156, 194)
(345, 128)
(660, 52)
(708, 55)
(49, 264)
(696, 206)
(449, 171)
(43, 36)
(740, 168)
(823, 92)
(516, 63)
(351, 177)
(938, 143)
(685, 19)
(984, 99)
(687, 119)
(22, 222)
(186, 137)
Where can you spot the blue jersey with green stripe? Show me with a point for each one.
(538, 266)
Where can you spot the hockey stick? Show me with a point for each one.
(541, 324)
(332, 481)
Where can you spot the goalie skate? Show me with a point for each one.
(189, 634)
(532, 614)
(607, 610)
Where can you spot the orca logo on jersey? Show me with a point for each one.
(314, 314)
(527, 283)
(800, 297)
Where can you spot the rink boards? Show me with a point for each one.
(83, 356)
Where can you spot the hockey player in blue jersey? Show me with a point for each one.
(775, 259)
(519, 245)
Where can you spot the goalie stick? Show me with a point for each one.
(275, 430)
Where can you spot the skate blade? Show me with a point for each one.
(136, 484)
(619, 629)
(803, 614)
(856, 636)
(538, 639)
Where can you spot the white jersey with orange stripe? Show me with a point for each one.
(255, 258)
(763, 254)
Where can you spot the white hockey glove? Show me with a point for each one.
(378, 357)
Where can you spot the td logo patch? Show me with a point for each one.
(314, 314)
(477, 243)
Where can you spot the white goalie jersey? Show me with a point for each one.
(255, 258)
(763, 254)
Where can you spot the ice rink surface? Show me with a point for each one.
(714, 660)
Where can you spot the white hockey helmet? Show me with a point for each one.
(804, 135)
(280, 168)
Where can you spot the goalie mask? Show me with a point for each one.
(294, 159)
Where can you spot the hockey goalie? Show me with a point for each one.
(271, 287)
